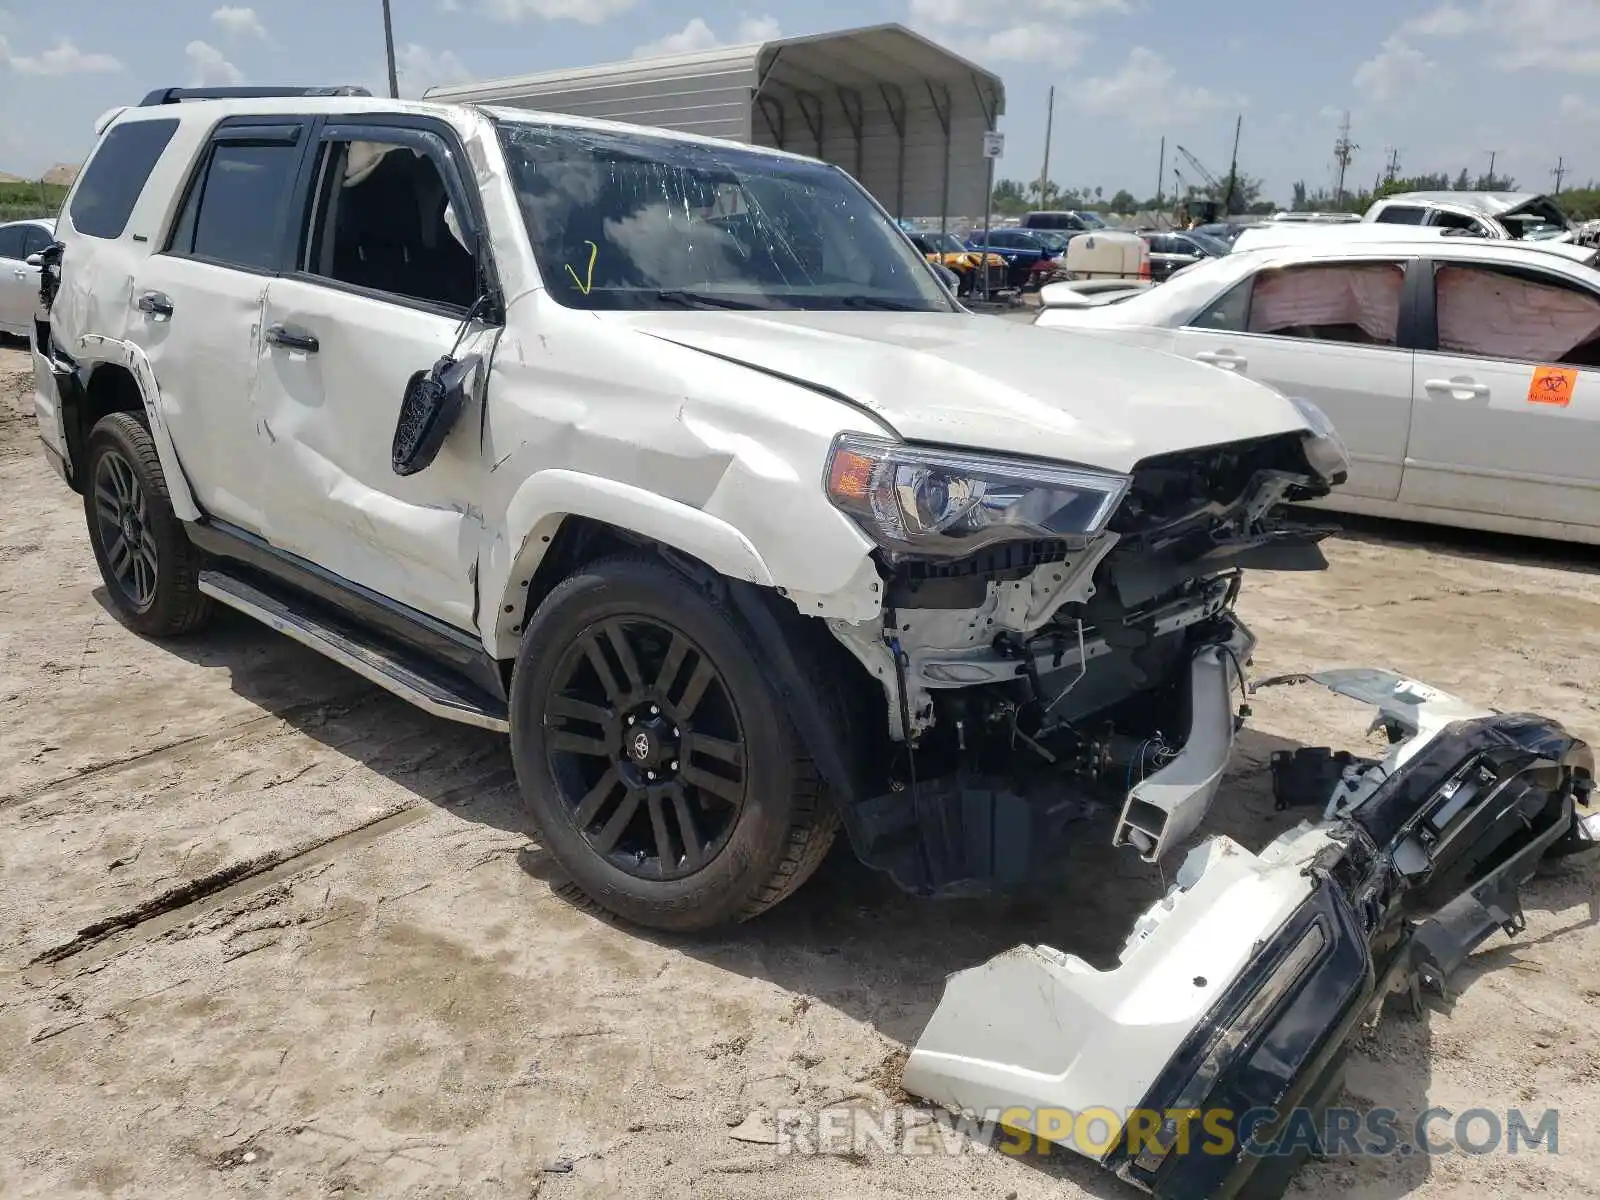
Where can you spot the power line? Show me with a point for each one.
(1343, 151)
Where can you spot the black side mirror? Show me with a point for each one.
(433, 402)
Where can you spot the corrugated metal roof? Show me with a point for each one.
(850, 57)
(901, 113)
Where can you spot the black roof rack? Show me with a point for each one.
(173, 95)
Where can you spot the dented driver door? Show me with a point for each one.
(383, 291)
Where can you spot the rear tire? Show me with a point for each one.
(151, 569)
(670, 786)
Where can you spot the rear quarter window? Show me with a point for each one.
(116, 175)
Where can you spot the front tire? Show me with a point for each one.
(654, 758)
(151, 569)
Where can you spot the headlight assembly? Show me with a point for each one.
(1325, 449)
(947, 503)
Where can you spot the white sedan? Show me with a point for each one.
(1463, 374)
(19, 282)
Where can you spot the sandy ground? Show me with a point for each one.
(408, 1009)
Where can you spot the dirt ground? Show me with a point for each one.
(403, 1006)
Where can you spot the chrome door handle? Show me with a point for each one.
(1461, 389)
(1226, 359)
(293, 339)
(157, 304)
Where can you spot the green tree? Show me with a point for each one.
(1010, 198)
(1123, 202)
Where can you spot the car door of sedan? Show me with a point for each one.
(1327, 332)
(19, 283)
(1507, 414)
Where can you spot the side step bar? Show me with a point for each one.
(406, 676)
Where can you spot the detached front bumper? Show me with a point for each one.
(1238, 993)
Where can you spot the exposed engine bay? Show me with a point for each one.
(1045, 681)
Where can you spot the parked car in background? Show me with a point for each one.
(1462, 373)
(947, 250)
(1030, 255)
(19, 279)
(1171, 252)
(1225, 231)
(1316, 218)
(1066, 220)
(1514, 216)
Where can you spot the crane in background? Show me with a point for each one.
(1186, 191)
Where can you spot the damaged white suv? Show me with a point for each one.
(676, 461)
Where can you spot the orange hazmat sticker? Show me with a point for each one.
(1552, 385)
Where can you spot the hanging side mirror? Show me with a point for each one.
(432, 404)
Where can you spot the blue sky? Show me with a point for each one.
(1444, 82)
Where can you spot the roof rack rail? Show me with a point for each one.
(173, 95)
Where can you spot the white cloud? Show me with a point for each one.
(1394, 70)
(420, 69)
(1518, 35)
(698, 35)
(239, 23)
(981, 12)
(1059, 44)
(1146, 93)
(64, 58)
(210, 65)
(449, 6)
(585, 12)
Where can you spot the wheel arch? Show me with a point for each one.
(559, 519)
(115, 376)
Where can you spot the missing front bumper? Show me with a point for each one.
(1239, 991)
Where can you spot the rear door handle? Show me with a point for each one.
(1460, 389)
(1225, 359)
(293, 339)
(157, 304)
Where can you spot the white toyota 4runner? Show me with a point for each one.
(674, 459)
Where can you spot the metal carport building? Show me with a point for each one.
(902, 114)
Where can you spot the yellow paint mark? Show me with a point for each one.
(587, 281)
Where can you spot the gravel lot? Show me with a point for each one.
(408, 1009)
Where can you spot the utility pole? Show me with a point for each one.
(388, 46)
(1161, 172)
(1343, 151)
(1391, 172)
(1233, 170)
(1493, 154)
(1044, 172)
(1560, 174)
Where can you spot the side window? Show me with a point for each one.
(1401, 214)
(1530, 317)
(383, 222)
(1450, 220)
(111, 183)
(34, 239)
(1354, 303)
(11, 241)
(234, 212)
(1229, 312)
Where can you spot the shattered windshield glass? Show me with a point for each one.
(630, 221)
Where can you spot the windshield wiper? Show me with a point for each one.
(701, 299)
(879, 302)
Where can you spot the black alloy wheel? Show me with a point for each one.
(646, 747)
(124, 519)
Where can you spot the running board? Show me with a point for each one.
(408, 676)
